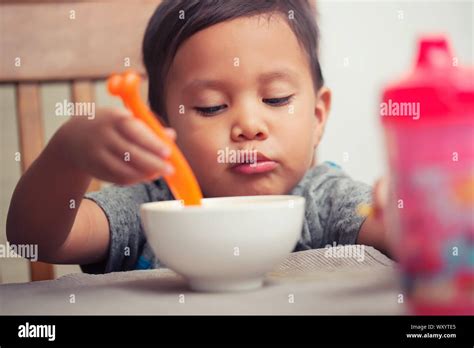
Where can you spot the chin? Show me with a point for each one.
(257, 192)
(240, 185)
(244, 190)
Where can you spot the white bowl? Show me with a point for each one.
(227, 243)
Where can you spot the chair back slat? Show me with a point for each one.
(31, 139)
(30, 122)
(57, 41)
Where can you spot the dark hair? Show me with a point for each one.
(166, 31)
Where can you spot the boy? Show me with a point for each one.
(241, 75)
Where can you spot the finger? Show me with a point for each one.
(380, 197)
(150, 165)
(382, 192)
(122, 112)
(117, 171)
(139, 133)
(171, 133)
(139, 158)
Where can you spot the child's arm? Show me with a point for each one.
(374, 230)
(40, 212)
(47, 208)
(373, 233)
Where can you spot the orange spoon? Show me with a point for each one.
(182, 182)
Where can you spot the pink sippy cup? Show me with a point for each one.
(428, 121)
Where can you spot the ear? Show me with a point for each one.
(321, 111)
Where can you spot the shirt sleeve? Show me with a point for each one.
(121, 205)
(332, 198)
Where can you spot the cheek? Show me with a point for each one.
(297, 135)
(199, 144)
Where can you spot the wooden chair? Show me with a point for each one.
(75, 41)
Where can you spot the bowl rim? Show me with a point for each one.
(271, 202)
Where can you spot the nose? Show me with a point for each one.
(249, 125)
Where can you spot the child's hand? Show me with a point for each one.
(380, 214)
(115, 147)
(380, 198)
(374, 229)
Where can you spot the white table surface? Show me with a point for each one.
(308, 282)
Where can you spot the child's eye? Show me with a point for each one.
(209, 111)
(278, 101)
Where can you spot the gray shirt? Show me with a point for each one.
(331, 196)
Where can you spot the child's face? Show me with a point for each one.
(243, 70)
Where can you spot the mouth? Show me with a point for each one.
(256, 165)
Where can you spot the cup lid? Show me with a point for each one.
(438, 89)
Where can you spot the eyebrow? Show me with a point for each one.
(205, 84)
(264, 78)
(284, 74)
